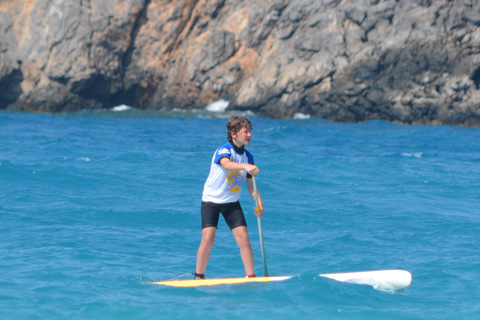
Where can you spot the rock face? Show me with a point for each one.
(408, 61)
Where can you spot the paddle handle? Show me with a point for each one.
(260, 230)
(255, 194)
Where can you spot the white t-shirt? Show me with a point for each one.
(224, 186)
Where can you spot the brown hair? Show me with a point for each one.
(235, 124)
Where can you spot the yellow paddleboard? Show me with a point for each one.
(216, 282)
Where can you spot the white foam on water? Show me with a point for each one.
(218, 106)
(301, 116)
(122, 107)
(412, 154)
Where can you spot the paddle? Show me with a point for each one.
(260, 231)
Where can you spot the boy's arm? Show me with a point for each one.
(233, 166)
(251, 191)
(252, 170)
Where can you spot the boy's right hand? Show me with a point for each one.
(252, 169)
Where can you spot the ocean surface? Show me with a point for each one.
(96, 204)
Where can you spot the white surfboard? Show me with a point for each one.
(383, 279)
(394, 279)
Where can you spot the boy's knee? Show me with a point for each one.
(208, 240)
(242, 237)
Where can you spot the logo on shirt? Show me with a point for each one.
(234, 181)
(223, 151)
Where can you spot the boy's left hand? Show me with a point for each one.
(258, 211)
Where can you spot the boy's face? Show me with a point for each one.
(242, 137)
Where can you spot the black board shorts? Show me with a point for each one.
(232, 213)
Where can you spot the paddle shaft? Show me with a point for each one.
(260, 230)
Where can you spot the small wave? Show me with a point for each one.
(217, 106)
(122, 107)
(412, 154)
(84, 159)
(301, 116)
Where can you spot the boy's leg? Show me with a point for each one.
(241, 236)
(203, 254)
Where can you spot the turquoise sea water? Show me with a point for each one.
(95, 204)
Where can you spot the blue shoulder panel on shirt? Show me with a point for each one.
(250, 157)
(222, 152)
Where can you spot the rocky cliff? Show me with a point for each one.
(409, 61)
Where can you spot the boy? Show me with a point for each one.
(231, 164)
